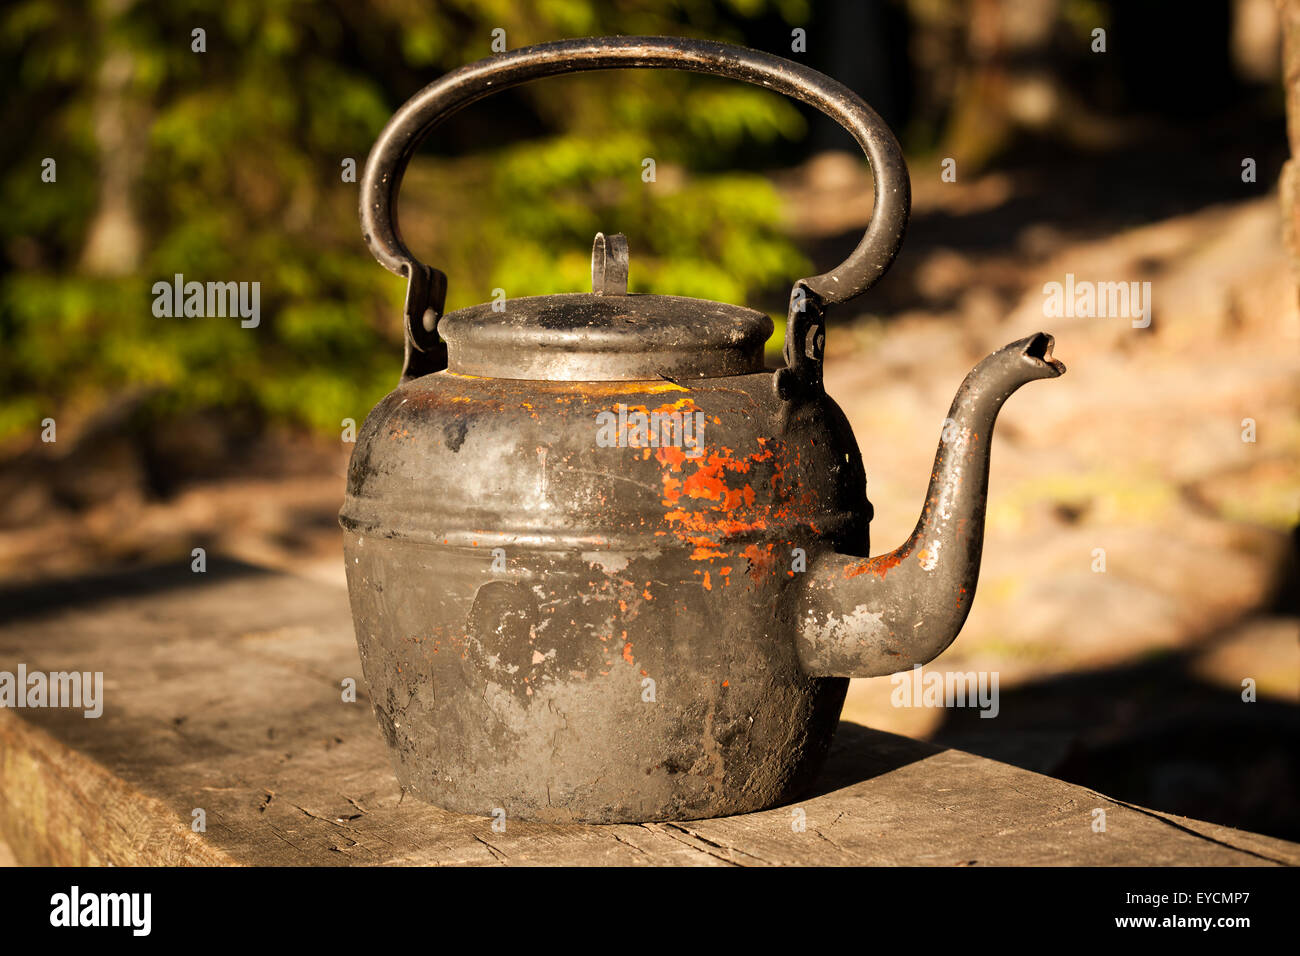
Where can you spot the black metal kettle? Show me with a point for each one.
(604, 566)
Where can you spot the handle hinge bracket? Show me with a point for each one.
(426, 296)
(805, 345)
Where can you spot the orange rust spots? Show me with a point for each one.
(703, 553)
(684, 405)
(567, 392)
(622, 606)
(627, 653)
(878, 566)
(699, 521)
(708, 585)
(726, 683)
(646, 594)
(645, 673)
(626, 388)
(721, 494)
(760, 562)
(672, 456)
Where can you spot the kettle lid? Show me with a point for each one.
(605, 335)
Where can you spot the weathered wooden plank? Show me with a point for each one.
(223, 693)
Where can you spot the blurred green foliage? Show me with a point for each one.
(229, 162)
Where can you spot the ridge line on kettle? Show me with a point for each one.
(604, 565)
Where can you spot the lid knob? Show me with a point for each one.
(609, 264)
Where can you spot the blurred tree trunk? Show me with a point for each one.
(1008, 81)
(1289, 188)
(114, 240)
(1255, 40)
(866, 45)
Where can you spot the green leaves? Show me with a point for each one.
(237, 179)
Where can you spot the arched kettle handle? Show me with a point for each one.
(397, 142)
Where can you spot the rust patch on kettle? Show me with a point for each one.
(713, 498)
(879, 566)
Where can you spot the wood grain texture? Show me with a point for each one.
(223, 692)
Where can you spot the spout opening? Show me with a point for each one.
(1039, 350)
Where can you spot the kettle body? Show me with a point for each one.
(573, 631)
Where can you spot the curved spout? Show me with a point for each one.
(867, 618)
